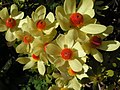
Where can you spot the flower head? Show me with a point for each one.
(26, 41)
(80, 18)
(76, 19)
(9, 23)
(32, 61)
(96, 42)
(66, 50)
(40, 24)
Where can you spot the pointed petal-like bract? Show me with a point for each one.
(41, 12)
(97, 55)
(13, 10)
(62, 19)
(23, 60)
(109, 45)
(70, 6)
(50, 17)
(19, 34)
(53, 49)
(29, 65)
(21, 48)
(41, 67)
(19, 16)
(59, 62)
(70, 37)
(108, 31)
(86, 7)
(78, 47)
(85, 67)
(4, 14)
(60, 40)
(93, 28)
(2, 27)
(67, 39)
(34, 16)
(81, 76)
(73, 83)
(75, 65)
(9, 36)
(22, 22)
(88, 20)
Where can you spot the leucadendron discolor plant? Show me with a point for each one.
(68, 52)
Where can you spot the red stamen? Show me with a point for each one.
(76, 19)
(27, 39)
(35, 57)
(41, 24)
(66, 54)
(10, 23)
(95, 41)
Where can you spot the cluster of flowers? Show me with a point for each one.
(68, 52)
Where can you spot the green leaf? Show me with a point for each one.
(110, 73)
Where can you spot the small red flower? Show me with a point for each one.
(76, 19)
(41, 24)
(95, 41)
(10, 23)
(66, 54)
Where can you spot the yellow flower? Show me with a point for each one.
(9, 23)
(96, 42)
(68, 73)
(80, 18)
(26, 41)
(66, 50)
(33, 61)
(40, 24)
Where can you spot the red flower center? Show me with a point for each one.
(66, 54)
(27, 39)
(41, 24)
(35, 57)
(76, 19)
(71, 72)
(95, 41)
(10, 23)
